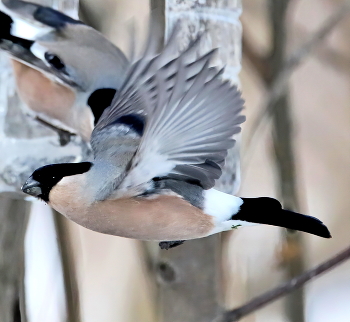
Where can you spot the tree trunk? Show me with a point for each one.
(189, 275)
(26, 145)
(285, 161)
(13, 218)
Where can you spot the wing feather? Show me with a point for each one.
(191, 115)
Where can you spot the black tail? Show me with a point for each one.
(268, 211)
(293, 220)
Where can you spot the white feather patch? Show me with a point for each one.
(39, 51)
(220, 205)
(154, 165)
(23, 29)
(28, 31)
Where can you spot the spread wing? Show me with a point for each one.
(190, 117)
(128, 107)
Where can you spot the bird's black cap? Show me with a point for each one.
(45, 178)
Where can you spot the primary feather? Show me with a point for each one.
(190, 117)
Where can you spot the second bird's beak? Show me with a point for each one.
(32, 187)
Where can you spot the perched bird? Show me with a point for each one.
(158, 150)
(66, 72)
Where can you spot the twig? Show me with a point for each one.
(259, 62)
(278, 86)
(274, 294)
(64, 136)
(327, 54)
(334, 59)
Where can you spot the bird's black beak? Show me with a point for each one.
(32, 187)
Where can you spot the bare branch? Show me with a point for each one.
(278, 86)
(259, 62)
(327, 54)
(334, 59)
(283, 154)
(274, 294)
(64, 136)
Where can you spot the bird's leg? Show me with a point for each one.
(64, 136)
(170, 244)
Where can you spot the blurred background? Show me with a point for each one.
(294, 71)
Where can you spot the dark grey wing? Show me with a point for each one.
(128, 107)
(141, 75)
(189, 130)
(191, 116)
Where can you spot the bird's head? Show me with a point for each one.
(82, 58)
(40, 183)
(74, 55)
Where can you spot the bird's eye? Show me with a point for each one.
(54, 61)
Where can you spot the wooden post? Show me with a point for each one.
(25, 145)
(189, 275)
(13, 218)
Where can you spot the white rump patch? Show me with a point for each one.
(220, 205)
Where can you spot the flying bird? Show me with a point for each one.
(66, 72)
(158, 150)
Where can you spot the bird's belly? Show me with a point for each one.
(162, 218)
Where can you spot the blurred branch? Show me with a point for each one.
(13, 218)
(278, 86)
(64, 136)
(276, 105)
(260, 63)
(282, 290)
(334, 59)
(284, 155)
(327, 54)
